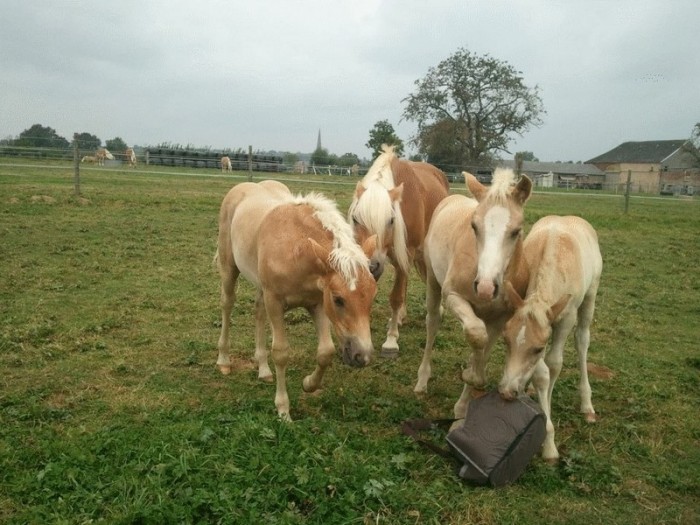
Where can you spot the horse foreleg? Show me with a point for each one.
(432, 324)
(280, 354)
(261, 354)
(397, 299)
(325, 351)
(541, 381)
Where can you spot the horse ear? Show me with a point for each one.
(557, 308)
(514, 296)
(316, 252)
(396, 193)
(475, 187)
(359, 189)
(522, 190)
(370, 246)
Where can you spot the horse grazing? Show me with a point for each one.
(226, 164)
(565, 265)
(299, 252)
(102, 154)
(472, 247)
(130, 157)
(395, 201)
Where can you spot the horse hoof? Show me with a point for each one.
(552, 462)
(389, 352)
(590, 417)
(267, 378)
(225, 369)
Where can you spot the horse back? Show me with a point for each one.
(425, 186)
(565, 251)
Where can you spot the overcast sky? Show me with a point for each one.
(271, 73)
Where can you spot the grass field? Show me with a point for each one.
(112, 410)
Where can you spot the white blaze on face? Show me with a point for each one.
(520, 340)
(491, 261)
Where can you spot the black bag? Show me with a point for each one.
(496, 441)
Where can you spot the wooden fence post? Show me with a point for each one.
(627, 191)
(76, 165)
(250, 163)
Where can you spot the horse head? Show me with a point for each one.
(526, 334)
(348, 292)
(497, 224)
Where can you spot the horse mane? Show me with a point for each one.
(346, 257)
(374, 209)
(503, 180)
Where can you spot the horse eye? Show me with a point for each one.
(391, 221)
(515, 233)
(474, 227)
(538, 351)
(355, 221)
(338, 301)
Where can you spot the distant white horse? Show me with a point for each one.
(102, 154)
(564, 263)
(89, 158)
(226, 164)
(130, 157)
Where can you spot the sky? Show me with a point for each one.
(273, 73)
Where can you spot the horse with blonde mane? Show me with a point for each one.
(471, 249)
(101, 155)
(299, 252)
(565, 266)
(226, 164)
(395, 201)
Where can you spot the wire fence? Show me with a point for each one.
(82, 156)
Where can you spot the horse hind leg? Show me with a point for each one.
(261, 353)
(397, 299)
(229, 277)
(432, 324)
(582, 338)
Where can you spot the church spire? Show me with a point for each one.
(318, 142)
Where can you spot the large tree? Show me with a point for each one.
(476, 104)
(383, 133)
(39, 136)
(88, 141)
(116, 145)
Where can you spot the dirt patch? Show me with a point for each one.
(47, 199)
(600, 372)
(13, 200)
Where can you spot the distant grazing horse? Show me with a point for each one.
(226, 164)
(102, 154)
(565, 266)
(395, 201)
(472, 247)
(130, 157)
(88, 158)
(298, 252)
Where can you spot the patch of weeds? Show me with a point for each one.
(589, 475)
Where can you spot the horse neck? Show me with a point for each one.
(518, 271)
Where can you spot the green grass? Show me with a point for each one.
(111, 408)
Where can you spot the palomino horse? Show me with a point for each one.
(298, 252)
(102, 154)
(472, 247)
(130, 157)
(395, 201)
(89, 158)
(226, 164)
(565, 264)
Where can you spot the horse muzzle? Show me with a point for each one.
(376, 268)
(355, 354)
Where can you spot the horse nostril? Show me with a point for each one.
(495, 289)
(476, 285)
